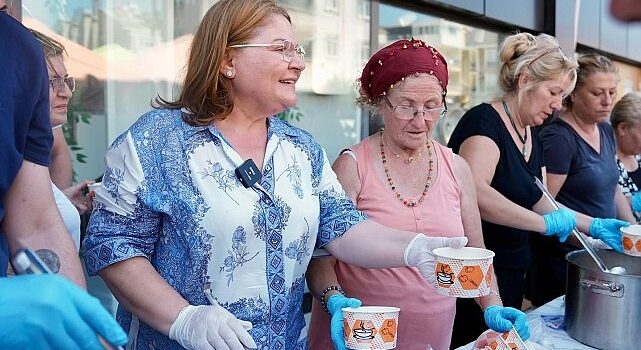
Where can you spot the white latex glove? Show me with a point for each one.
(418, 253)
(207, 327)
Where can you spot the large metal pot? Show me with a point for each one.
(603, 310)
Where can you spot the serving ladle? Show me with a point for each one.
(617, 270)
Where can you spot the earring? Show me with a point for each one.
(229, 73)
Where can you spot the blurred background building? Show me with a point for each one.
(126, 52)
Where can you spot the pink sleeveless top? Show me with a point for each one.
(425, 317)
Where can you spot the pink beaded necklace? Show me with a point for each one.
(428, 182)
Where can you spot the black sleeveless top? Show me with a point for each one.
(513, 178)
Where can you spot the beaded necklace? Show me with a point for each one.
(428, 182)
(523, 139)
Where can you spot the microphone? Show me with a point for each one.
(248, 173)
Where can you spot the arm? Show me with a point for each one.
(482, 155)
(472, 221)
(60, 168)
(140, 295)
(32, 220)
(624, 210)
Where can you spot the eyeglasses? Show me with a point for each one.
(409, 112)
(58, 83)
(286, 48)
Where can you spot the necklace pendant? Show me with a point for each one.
(409, 160)
(524, 151)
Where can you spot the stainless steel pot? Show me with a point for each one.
(603, 310)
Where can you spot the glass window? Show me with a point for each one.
(471, 54)
(126, 52)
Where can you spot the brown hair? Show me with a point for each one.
(540, 57)
(590, 63)
(627, 110)
(206, 93)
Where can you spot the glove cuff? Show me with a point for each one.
(411, 251)
(177, 328)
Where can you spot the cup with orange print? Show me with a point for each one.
(463, 272)
(370, 327)
(631, 239)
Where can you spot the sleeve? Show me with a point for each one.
(122, 225)
(39, 136)
(557, 149)
(337, 212)
(479, 121)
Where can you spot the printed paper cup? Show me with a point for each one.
(463, 272)
(370, 327)
(492, 340)
(631, 240)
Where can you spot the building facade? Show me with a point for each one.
(125, 52)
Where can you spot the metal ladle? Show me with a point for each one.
(617, 270)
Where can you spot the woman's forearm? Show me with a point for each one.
(321, 274)
(371, 245)
(139, 287)
(497, 209)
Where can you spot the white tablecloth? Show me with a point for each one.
(545, 337)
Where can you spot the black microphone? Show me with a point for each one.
(248, 173)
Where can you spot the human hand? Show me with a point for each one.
(334, 305)
(608, 230)
(76, 195)
(418, 253)
(49, 312)
(636, 202)
(501, 319)
(560, 223)
(211, 327)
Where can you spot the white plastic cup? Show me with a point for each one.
(463, 272)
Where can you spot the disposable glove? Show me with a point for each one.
(210, 327)
(501, 319)
(418, 253)
(607, 230)
(49, 312)
(636, 202)
(560, 223)
(334, 305)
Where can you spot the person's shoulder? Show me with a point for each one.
(555, 129)
(158, 120)
(22, 39)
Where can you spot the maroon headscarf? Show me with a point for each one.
(400, 59)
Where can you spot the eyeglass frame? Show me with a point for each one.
(287, 57)
(416, 111)
(69, 82)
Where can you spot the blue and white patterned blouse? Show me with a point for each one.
(169, 193)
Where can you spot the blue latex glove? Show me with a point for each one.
(334, 304)
(49, 312)
(560, 223)
(501, 319)
(607, 230)
(636, 202)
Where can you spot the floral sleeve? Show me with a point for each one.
(122, 226)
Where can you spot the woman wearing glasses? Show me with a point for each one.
(210, 207)
(70, 198)
(402, 178)
(502, 148)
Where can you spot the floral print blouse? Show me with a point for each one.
(628, 187)
(170, 194)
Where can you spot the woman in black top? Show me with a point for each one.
(626, 122)
(503, 152)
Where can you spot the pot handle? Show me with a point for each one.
(612, 289)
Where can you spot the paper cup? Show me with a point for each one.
(631, 240)
(492, 340)
(463, 272)
(370, 327)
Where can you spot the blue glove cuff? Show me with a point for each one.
(636, 202)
